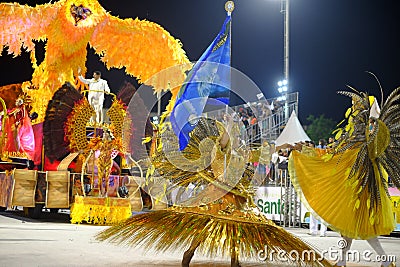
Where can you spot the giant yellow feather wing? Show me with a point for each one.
(20, 24)
(144, 48)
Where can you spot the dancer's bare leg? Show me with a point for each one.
(235, 257)
(342, 260)
(188, 255)
(376, 245)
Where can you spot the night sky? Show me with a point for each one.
(332, 43)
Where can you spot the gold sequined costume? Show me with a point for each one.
(221, 218)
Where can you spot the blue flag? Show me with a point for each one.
(208, 82)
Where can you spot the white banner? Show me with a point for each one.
(269, 202)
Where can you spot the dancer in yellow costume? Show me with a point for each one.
(222, 217)
(346, 185)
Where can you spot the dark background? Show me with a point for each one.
(332, 43)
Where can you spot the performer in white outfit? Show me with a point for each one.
(314, 226)
(97, 87)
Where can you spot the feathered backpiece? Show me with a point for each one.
(390, 116)
(202, 162)
(377, 138)
(57, 112)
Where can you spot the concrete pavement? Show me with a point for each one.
(53, 241)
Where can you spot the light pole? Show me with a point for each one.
(285, 12)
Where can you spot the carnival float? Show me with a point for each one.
(52, 153)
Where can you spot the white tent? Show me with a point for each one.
(292, 133)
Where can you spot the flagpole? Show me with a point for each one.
(229, 7)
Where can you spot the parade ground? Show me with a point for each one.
(53, 241)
